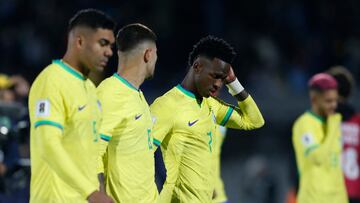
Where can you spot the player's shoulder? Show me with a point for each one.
(302, 119)
(355, 118)
(50, 74)
(307, 120)
(107, 83)
(214, 101)
(114, 87)
(168, 99)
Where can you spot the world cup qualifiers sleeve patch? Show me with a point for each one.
(307, 139)
(42, 108)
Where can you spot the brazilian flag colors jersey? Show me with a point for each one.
(317, 145)
(220, 195)
(64, 113)
(185, 131)
(126, 142)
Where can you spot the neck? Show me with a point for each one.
(74, 63)
(133, 73)
(317, 111)
(189, 84)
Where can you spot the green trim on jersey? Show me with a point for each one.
(47, 122)
(185, 91)
(116, 75)
(105, 137)
(69, 69)
(227, 116)
(318, 117)
(310, 149)
(156, 142)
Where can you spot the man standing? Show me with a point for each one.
(317, 143)
(185, 118)
(125, 130)
(64, 113)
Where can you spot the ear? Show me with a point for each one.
(198, 66)
(147, 55)
(313, 96)
(79, 41)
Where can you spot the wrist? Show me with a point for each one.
(235, 87)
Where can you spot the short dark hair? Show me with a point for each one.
(345, 80)
(131, 35)
(212, 47)
(91, 18)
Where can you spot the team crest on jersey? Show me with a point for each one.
(42, 108)
(307, 139)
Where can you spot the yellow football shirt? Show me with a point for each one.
(125, 133)
(317, 145)
(64, 114)
(185, 129)
(220, 195)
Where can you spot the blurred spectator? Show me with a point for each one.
(350, 129)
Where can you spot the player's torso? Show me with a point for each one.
(317, 181)
(350, 131)
(189, 148)
(131, 143)
(82, 117)
(133, 134)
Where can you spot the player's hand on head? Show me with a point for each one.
(99, 197)
(231, 76)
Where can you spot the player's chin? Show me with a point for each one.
(330, 112)
(100, 68)
(207, 95)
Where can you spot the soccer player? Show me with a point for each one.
(185, 118)
(317, 144)
(125, 130)
(65, 113)
(350, 131)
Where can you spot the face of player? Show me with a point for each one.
(326, 102)
(98, 49)
(210, 75)
(151, 58)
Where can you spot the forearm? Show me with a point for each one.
(319, 153)
(246, 116)
(51, 150)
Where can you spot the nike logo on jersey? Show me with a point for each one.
(80, 108)
(137, 116)
(192, 123)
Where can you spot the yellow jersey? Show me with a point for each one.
(64, 114)
(317, 145)
(220, 195)
(184, 128)
(126, 139)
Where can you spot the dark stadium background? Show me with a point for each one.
(280, 44)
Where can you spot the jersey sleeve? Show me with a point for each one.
(112, 116)
(47, 105)
(163, 120)
(304, 138)
(245, 116)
